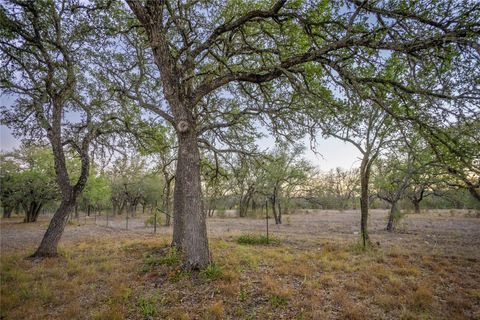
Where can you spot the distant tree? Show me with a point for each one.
(214, 178)
(243, 181)
(396, 172)
(97, 192)
(282, 171)
(371, 130)
(28, 180)
(341, 186)
(46, 49)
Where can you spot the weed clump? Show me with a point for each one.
(249, 239)
(211, 272)
(147, 307)
(169, 258)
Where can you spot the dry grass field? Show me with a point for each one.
(314, 269)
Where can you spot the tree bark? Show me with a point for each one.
(189, 221)
(416, 205)
(245, 201)
(166, 199)
(392, 217)
(364, 199)
(279, 212)
(276, 214)
(32, 211)
(49, 244)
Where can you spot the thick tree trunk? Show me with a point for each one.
(392, 216)
(416, 205)
(190, 221)
(48, 246)
(475, 192)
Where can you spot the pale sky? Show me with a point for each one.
(333, 152)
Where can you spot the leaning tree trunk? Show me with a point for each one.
(49, 244)
(51, 238)
(189, 221)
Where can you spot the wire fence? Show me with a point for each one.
(152, 222)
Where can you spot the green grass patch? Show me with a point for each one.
(170, 257)
(147, 307)
(278, 301)
(211, 272)
(250, 239)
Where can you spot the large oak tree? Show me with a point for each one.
(259, 52)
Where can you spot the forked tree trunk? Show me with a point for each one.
(32, 211)
(190, 220)
(49, 244)
(245, 201)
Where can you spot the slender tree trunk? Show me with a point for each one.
(49, 244)
(166, 202)
(392, 216)
(122, 207)
(364, 200)
(189, 221)
(274, 208)
(114, 206)
(76, 211)
(279, 212)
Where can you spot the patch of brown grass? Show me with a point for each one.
(321, 279)
(422, 298)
